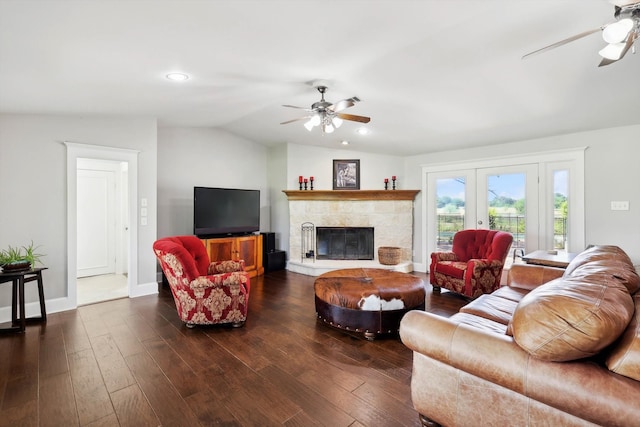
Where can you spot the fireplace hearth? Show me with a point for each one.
(344, 243)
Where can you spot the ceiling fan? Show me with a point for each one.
(327, 115)
(620, 34)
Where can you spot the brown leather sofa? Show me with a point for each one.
(554, 347)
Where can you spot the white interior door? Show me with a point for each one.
(96, 222)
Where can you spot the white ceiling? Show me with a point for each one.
(432, 75)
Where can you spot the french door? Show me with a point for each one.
(497, 198)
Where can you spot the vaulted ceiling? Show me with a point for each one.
(432, 75)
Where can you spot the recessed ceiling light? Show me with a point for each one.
(362, 131)
(177, 77)
(345, 142)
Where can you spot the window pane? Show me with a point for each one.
(506, 196)
(450, 199)
(560, 208)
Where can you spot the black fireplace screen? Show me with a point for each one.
(344, 243)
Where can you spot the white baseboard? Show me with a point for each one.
(63, 304)
(144, 289)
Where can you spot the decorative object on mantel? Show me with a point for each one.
(307, 243)
(304, 181)
(393, 178)
(386, 183)
(346, 174)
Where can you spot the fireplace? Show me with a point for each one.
(390, 213)
(344, 243)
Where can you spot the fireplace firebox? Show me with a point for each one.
(344, 243)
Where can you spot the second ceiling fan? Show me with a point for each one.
(620, 34)
(326, 115)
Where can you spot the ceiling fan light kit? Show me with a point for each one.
(618, 31)
(326, 115)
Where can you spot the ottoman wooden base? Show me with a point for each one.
(367, 300)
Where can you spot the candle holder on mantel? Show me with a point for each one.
(393, 178)
(305, 183)
(386, 183)
(311, 182)
(300, 182)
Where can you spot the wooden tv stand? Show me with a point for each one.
(248, 248)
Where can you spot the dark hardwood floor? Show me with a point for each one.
(131, 362)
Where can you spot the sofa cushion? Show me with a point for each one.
(492, 307)
(624, 356)
(572, 317)
(452, 268)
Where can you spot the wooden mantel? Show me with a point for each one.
(351, 194)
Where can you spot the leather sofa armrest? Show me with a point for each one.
(528, 276)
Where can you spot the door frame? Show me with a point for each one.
(74, 152)
(573, 158)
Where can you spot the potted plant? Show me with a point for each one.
(17, 259)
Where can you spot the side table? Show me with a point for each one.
(18, 279)
(558, 259)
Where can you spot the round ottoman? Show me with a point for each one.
(368, 300)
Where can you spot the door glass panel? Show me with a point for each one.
(507, 207)
(560, 208)
(450, 208)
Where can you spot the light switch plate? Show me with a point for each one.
(621, 205)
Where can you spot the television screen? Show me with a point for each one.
(225, 211)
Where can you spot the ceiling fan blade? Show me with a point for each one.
(299, 108)
(633, 35)
(361, 119)
(622, 3)
(296, 120)
(565, 41)
(344, 104)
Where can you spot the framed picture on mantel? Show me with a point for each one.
(346, 174)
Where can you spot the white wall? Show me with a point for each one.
(206, 157)
(33, 187)
(612, 172)
(277, 171)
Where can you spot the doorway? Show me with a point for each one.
(128, 264)
(102, 230)
(499, 198)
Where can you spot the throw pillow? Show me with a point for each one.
(572, 317)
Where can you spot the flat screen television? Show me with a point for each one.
(225, 211)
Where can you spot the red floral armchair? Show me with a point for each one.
(474, 265)
(205, 292)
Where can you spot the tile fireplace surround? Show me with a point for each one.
(390, 212)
